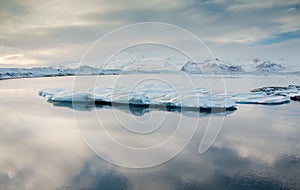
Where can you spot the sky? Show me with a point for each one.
(54, 32)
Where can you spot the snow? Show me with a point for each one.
(62, 95)
(268, 95)
(139, 99)
(70, 96)
(191, 67)
(150, 94)
(261, 98)
(268, 66)
(210, 66)
(173, 97)
(233, 67)
(291, 90)
(11, 73)
(169, 64)
(49, 93)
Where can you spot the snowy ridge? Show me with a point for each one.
(211, 66)
(166, 66)
(217, 66)
(11, 73)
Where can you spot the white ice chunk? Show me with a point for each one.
(70, 96)
(50, 92)
(218, 103)
(261, 98)
(102, 94)
(293, 94)
(150, 94)
(139, 99)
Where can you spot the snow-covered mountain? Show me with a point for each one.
(211, 66)
(269, 66)
(10, 73)
(208, 66)
(217, 66)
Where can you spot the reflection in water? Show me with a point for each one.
(140, 110)
(219, 168)
(258, 147)
(87, 179)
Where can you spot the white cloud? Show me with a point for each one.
(289, 22)
(36, 25)
(260, 5)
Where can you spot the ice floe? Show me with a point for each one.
(260, 98)
(165, 96)
(150, 95)
(269, 95)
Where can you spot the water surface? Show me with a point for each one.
(42, 148)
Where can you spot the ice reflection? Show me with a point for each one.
(258, 147)
(139, 110)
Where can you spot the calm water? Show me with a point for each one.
(59, 146)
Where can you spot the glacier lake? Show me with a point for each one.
(48, 145)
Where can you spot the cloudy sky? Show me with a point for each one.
(53, 32)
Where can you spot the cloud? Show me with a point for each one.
(16, 59)
(255, 5)
(279, 38)
(37, 24)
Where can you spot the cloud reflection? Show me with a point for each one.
(258, 148)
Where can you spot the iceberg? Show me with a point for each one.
(260, 98)
(62, 95)
(164, 96)
(269, 95)
(145, 95)
(70, 96)
(49, 93)
(291, 91)
(278, 90)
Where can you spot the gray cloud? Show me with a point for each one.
(36, 24)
